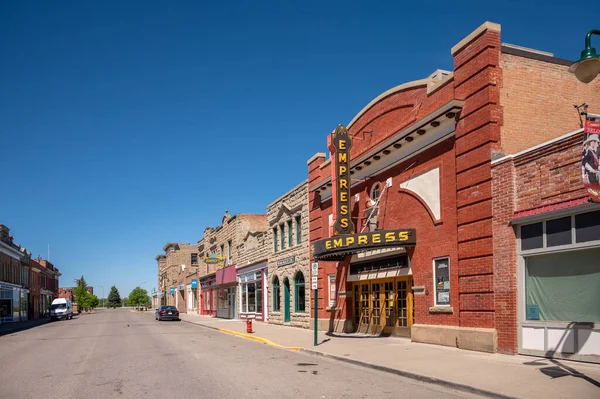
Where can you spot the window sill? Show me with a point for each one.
(332, 309)
(440, 309)
(280, 251)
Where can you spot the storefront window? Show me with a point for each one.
(222, 299)
(6, 299)
(563, 286)
(16, 304)
(24, 304)
(243, 288)
(251, 289)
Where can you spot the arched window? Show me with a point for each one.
(276, 295)
(375, 192)
(299, 293)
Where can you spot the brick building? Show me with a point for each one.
(179, 260)
(15, 275)
(69, 292)
(546, 237)
(289, 264)
(219, 250)
(44, 287)
(413, 173)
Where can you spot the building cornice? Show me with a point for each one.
(10, 251)
(473, 35)
(401, 146)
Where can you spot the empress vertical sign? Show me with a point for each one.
(340, 143)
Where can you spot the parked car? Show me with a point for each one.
(167, 313)
(61, 308)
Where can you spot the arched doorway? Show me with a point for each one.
(286, 300)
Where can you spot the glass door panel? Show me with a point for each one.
(402, 304)
(389, 308)
(376, 301)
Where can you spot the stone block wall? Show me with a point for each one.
(292, 204)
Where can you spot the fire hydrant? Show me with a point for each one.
(249, 325)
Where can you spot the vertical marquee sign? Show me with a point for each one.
(340, 143)
(590, 165)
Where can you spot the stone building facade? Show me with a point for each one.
(252, 275)
(289, 299)
(163, 281)
(179, 258)
(219, 254)
(421, 162)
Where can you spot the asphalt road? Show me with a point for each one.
(120, 354)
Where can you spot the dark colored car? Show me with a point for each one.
(167, 313)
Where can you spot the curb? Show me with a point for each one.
(200, 325)
(407, 374)
(414, 376)
(247, 336)
(260, 339)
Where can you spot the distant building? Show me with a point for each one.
(14, 279)
(178, 258)
(68, 292)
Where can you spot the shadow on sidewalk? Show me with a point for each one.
(11, 328)
(561, 369)
(356, 335)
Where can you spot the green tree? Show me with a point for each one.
(81, 296)
(125, 302)
(94, 301)
(114, 299)
(138, 297)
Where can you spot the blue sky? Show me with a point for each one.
(124, 125)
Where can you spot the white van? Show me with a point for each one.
(61, 308)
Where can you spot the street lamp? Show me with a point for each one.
(587, 67)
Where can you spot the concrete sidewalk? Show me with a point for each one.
(488, 374)
(9, 328)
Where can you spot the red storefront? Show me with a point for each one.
(219, 293)
(403, 233)
(208, 295)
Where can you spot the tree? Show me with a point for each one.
(114, 299)
(138, 297)
(81, 295)
(94, 301)
(125, 302)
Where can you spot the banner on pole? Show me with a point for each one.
(590, 171)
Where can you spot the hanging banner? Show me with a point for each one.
(590, 161)
(340, 143)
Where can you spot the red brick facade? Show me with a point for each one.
(477, 199)
(537, 181)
